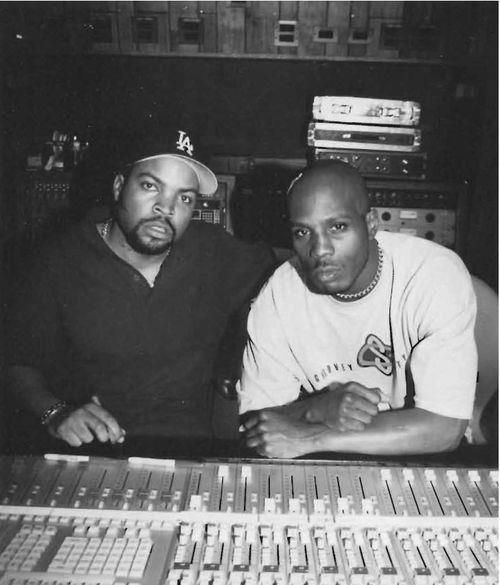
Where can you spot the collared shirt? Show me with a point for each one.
(93, 325)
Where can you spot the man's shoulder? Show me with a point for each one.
(285, 282)
(208, 234)
(82, 234)
(211, 240)
(413, 249)
(64, 240)
(286, 272)
(418, 259)
(202, 229)
(74, 246)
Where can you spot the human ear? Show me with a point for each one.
(372, 222)
(118, 186)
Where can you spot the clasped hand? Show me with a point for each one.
(274, 433)
(86, 423)
(290, 430)
(344, 407)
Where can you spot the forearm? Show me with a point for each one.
(294, 411)
(29, 386)
(400, 432)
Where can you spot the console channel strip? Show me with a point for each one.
(75, 521)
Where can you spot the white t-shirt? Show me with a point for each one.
(419, 317)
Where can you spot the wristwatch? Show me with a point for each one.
(56, 410)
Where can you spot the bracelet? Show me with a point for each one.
(56, 409)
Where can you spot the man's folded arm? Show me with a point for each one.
(397, 432)
(281, 432)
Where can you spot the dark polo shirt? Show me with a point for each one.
(94, 326)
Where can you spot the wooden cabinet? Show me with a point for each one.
(393, 30)
(317, 29)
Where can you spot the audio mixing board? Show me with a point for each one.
(79, 520)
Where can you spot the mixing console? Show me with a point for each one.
(78, 520)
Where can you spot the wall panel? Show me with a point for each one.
(259, 27)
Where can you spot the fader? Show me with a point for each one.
(75, 521)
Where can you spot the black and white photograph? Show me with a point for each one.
(249, 292)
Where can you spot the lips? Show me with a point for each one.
(158, 229)
(326, 273)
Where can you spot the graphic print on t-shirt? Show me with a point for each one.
(375, 353)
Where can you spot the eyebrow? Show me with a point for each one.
(145, 174)
(331, 219)
(149, 174)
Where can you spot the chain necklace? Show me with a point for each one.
(106, 229)
(370, 287)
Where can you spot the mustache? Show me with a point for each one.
(156, 219)
(319, 264)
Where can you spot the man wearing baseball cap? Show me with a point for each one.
(114, 332)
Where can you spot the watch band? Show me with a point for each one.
(56, 409)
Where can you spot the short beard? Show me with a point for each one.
(134, 241)
(316, 288)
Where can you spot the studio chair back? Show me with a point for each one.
(484, 423)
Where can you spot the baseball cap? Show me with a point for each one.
(174, 142)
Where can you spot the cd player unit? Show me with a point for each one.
(363, 137)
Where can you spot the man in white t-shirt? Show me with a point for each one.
(363, 342)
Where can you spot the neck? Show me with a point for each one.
(368, 278)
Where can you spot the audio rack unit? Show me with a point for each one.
(379, 164)
(363, 136)
(215, 208)
(435, 211)
(75, 520)
(357, 110)
(42, 201)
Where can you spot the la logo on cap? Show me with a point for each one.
(184, 143)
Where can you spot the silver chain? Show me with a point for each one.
(370, 287)
(105, 228)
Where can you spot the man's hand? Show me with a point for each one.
(90, 421)
(275, 434)
(344, 407)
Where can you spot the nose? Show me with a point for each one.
(164, 203)
(321, 245)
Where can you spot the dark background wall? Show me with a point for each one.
(256, 106)
(261, 107)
